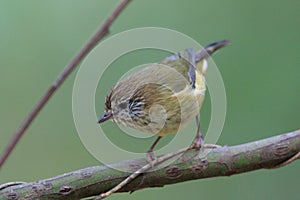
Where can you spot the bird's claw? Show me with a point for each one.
(151, 158)
(198, 144)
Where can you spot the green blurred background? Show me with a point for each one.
(261, 71)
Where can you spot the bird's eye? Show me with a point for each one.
(123, 105)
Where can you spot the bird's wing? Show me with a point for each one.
(184, 63)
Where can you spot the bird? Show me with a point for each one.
(163, 97)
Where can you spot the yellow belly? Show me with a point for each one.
(188, 107)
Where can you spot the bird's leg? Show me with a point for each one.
(150, 155)
(198, 141)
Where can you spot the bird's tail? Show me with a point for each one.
(210, 49)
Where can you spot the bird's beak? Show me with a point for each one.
(104, 117)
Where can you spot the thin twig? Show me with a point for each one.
(151, 165)
(99, 35)
(10, 184)
(140, 171)
(292, 159)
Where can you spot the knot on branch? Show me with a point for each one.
(11, 195)
(199, 165)
(65, 190)
(173, 172)
(281, 150)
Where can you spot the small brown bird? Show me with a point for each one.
(164, 97)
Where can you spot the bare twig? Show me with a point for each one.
(292, 159)
(140, 171)
(99, 35)
(149, 166)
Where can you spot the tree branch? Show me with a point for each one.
(225, 161)
(99, 35)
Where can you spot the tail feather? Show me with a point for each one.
(210, 49)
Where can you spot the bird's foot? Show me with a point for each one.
(151, 158)
(199, 143)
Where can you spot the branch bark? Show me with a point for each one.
(225, 161)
